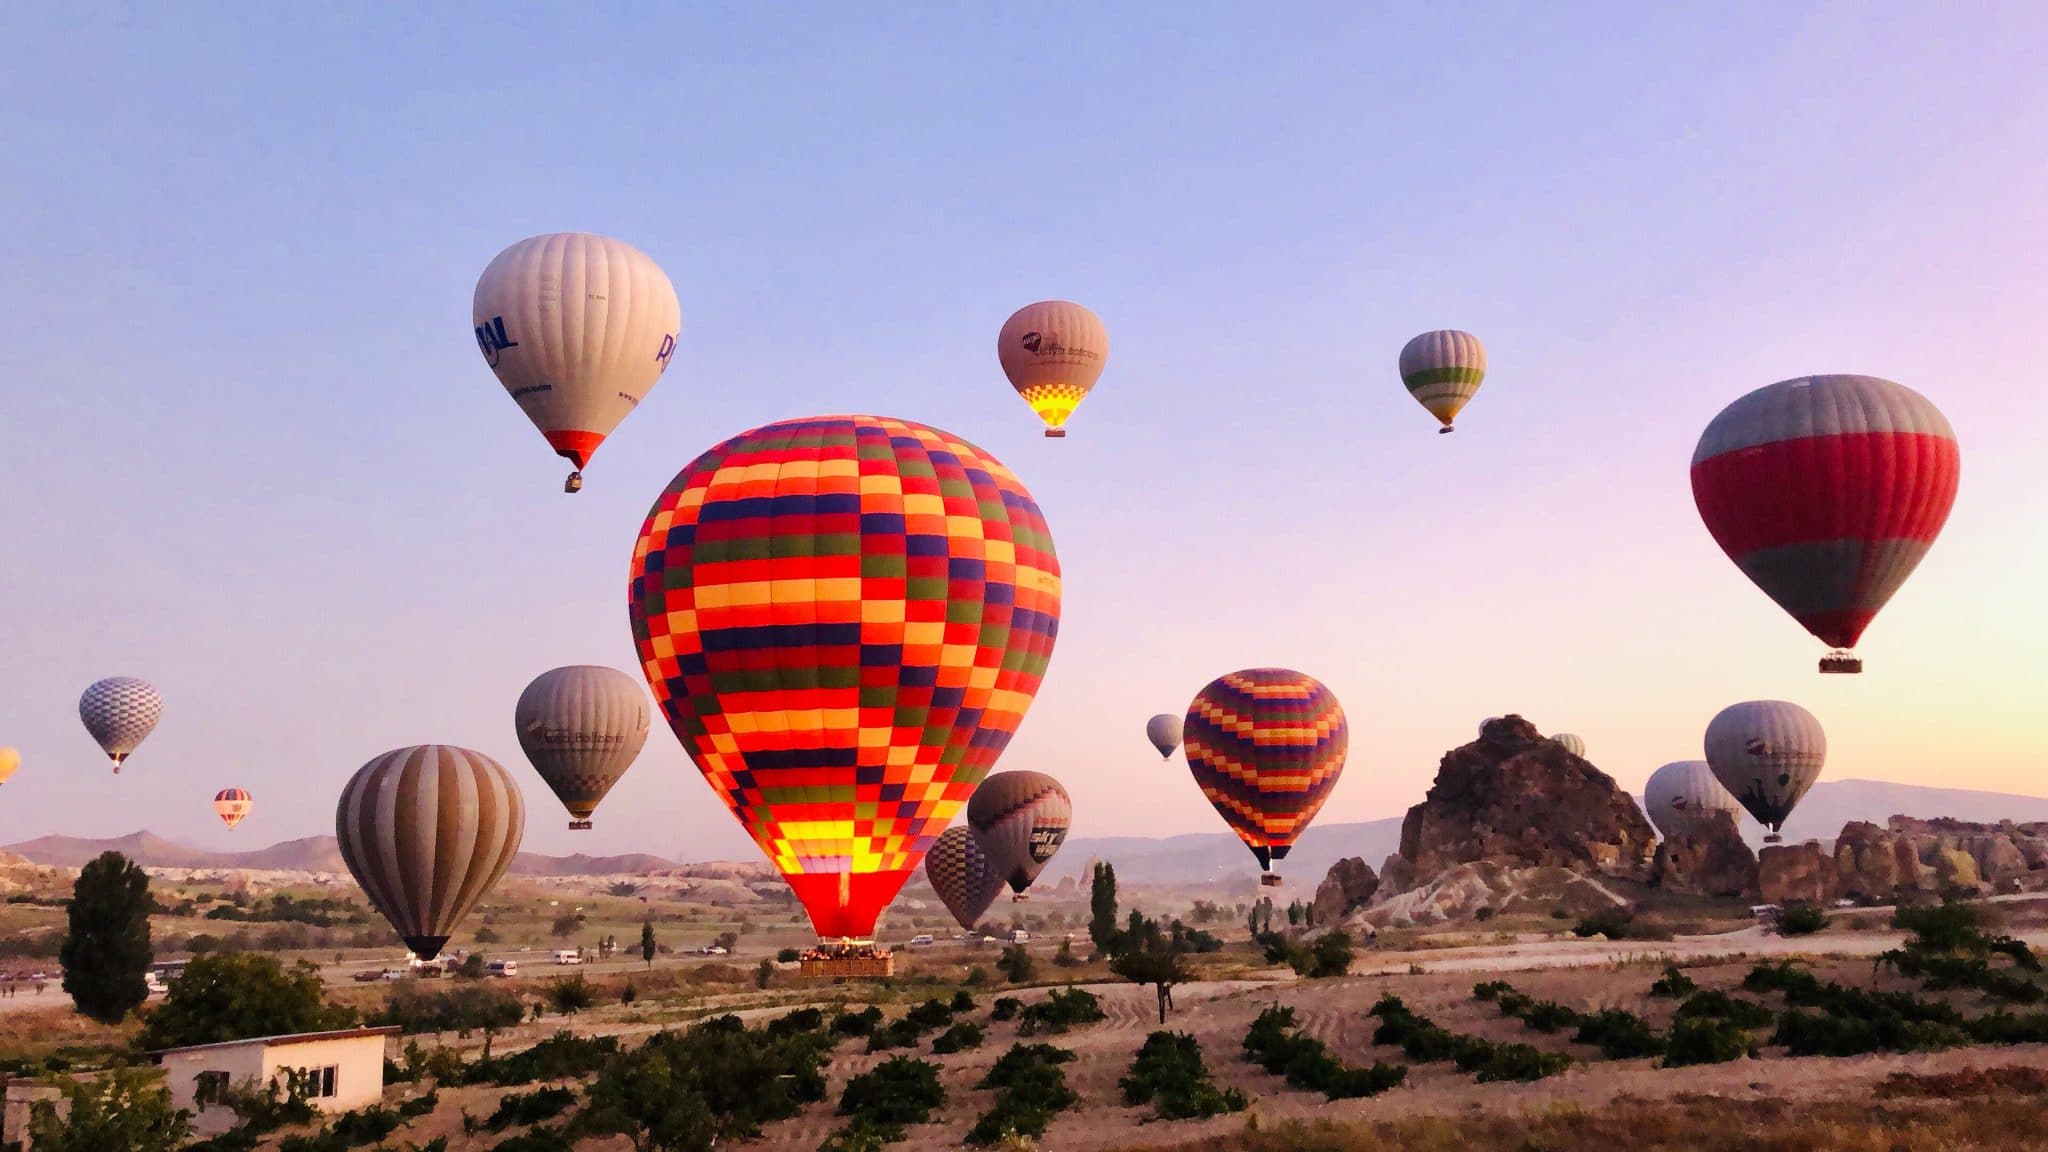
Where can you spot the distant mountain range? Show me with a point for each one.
(1139, 860)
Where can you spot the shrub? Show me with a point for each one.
(1274, 1045)
(1717, 1005)
(930, 1014)
(793, 1023)
(462, 1009)
(1673, 984)
(788, 956)
(1613, 923)
(1802, 920)
(861, 1023)
(1060, 1011)
(563, 1056)
(1168, 1073)
(1549, 1016)
(962, 1001)
(1491, 989)
(1015, 964)
(1521, 1062)
(1330, 955)
(2006, 1028)
(530, 1107)
(896, 1092)
(1815, 1034)
(1033, 1089)
(1619, 1035)
(419, 1105)
(1706, 1040)
(959, 1037)
(235, 996)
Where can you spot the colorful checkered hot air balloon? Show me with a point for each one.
(232, 806)
(959, 872)
(844, 618)
(1827, 491)
(1266, 745)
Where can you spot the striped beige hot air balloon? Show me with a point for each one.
(578, 328)
(1053, 352)
(959, 872)
(1163, 731)
(582, 726)
(1443, 370)
(1020, 819)
(1767, 753)
(426, 831)
(1571, 744)
(1684, 795)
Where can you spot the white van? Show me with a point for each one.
(568, 956)
(921, 940)
(1019, 936)
(505, 968)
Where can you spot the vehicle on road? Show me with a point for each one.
(1019, 936)
(394, 974)
(565, 956)
(502, 968)
(711, 950)
(921, 940)
(367, 976)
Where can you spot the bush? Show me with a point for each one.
(797, 1022)
(1619, 1035)
(861, 1023)
(1520, 1062)
(1950, 926)
(715, 1083)
(958, 1038)
(1718, 1005)
(930, 1014)
(1491, 989)
(469, 1007)
(1329, 956)
(1005, 1008)
(530, 1107)
(1033, 1089)
(419, 1105)
(1168, 1073)
(1813, 1034)
(1015, 964)
(1060, 1011)
(1673, 984)
(962, 1002)
(1549, 1016)
(1273, 1044)
(568, 995)
(563, 1056)
(1613, 923)
(788, 956)
(1706, 1040)
(896, 1092)
(1802, 920)
(2006, 1028)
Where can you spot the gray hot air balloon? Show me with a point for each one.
(1020, 818)
(1767, 753)
(426, 831)
(1163, 731)
(1571, 744)
(582, 727)
(959, 872)
(1684, 795)
(120, 712)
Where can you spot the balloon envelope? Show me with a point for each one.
(232, 806)
(1020, 818)
(581, 727)
(1684, 795)
(1163, 731)
(844, 619)
(120, 712)
(1571, 744)
(1053, 352)
(10, 760)
(1827, 491)
(959, 872)
(578, 329)
(427, 831)
(1266, 745)
(1767, 753)
(1443, 370)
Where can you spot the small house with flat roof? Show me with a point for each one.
(343, 1070)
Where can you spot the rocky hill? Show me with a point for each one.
(1909, 855)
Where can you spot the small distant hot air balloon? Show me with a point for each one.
(120, 712)
(844, 619)
(1443, 370)
(578, 328)
(1684, 795)
(1163, 731)
(233, 805)
(427, 831)
(582, 726)
(1053, 352)
(1266, 745)
(1767, 753)
(1020, 820)
(959, 872)
(1827, 491)
(1571, 744)
(9, 761)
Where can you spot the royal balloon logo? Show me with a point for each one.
(490, 337)
(540, 731)
(1037, 344)
(668, 348)
(1030, 342)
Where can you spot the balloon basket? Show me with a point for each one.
(1019, 897)
(1774, 838)
(840, 964)
(1269, 880)
(1841, 662)
(574, 483)
(1446, 430)
(1055, 433)
(579, 825)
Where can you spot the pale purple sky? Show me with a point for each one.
(254, 457)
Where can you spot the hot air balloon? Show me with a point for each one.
(1571, 744)
(1020, 818)
(1053, 352)
(1826, 491)
(578, 328)
(1163, 731)
(1767, 753)
(427, 831)
(1683, 796)
(9, 761)
(120, 712)
(581, 726)
(844, 619)
(1266, 745)
(232, 804)
(959, 873)
(1442, 370)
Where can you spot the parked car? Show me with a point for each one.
(711, 950)
(502, 968)
(368, 976)
(921, 940)
(566, 956)
(1019, 936)
(394, 974)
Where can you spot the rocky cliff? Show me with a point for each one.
(1514, 796)
(1348, 886)
(1909, 855)
(1710, 860)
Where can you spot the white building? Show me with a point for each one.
(345, 1069)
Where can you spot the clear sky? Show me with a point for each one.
(253, 455)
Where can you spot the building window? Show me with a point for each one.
(319, 1082)
(209, 1087)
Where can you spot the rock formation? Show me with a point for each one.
(1348, 886)
(1516, 797)
(1909, 855)
(1710, 860)
(1795, 874)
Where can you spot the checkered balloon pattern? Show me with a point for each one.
(1266, 745)
(844, 619)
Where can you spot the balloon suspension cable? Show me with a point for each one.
(1841, 660)
(1055, 433)
(574, 483)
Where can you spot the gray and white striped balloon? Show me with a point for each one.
(960, 874)
(427, 831)
(1020, 819)
(120, 712)
(1683, 796)
(1767, 753)
(582, 726)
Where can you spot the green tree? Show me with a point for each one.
(641, 1096)
(1102, 908)
(237, 996)
(647, 942)
(106, 951)
(122, 1108)
(1015, 964)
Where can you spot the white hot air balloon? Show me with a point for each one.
(1767, 753)
(578, 329)
(1684, 795)
(582, 726)
(1571, 744)
(120, 712)
(1164, 731)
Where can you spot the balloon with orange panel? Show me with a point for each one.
(232, 806)
(1266, 745)
(844, 619)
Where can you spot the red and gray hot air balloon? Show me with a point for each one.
(1266, 745)
(1827, 491)
(1020, 819)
